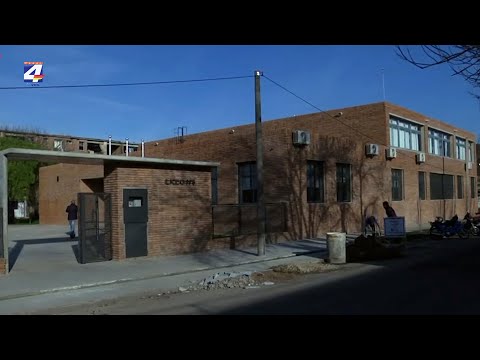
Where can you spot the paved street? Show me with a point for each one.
(436, 278)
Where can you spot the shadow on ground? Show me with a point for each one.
(15, 251)
(76, 251)
(444, 282)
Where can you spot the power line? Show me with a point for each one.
(124, 84)
(340, 121)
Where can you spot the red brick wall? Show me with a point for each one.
(56, 195)
(285, 165)
(3, 269)
(333, 139)
(179, 216)
(419, 212)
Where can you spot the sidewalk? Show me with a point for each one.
(25, 283)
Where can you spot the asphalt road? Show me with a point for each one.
(437, 278)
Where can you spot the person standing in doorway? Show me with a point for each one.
(72, 211)
(389, 210)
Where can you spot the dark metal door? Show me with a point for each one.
(94, 227)
(135, 218)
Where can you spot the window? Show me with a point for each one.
(459, 187)
(344, 188)
(247, 182)
(421, 185)
(214, 181)
(441, 186)
(135, 201)
(58, 145)
(405, 134)
(471, 153)
(472, 187)
(397, 185)
(315, 181)
(81, 145)
(439, 143)
(461, 147)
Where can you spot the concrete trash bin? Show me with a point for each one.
(336, 247)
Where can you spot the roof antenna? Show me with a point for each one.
(383, 83)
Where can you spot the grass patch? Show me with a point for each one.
(26, 222)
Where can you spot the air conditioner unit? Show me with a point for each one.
(420, 157)
(301, 137)
(469, 165)
(391, 153)
(372, 149)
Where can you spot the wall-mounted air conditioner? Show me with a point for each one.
(372, 149)
(469, 165)
(391, 153)
(420, 157)
(301, 137)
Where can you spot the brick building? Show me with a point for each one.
(153, 207)
(71, 143)
(62, 191)
(478, 176)
(424, 167)
(327, 170)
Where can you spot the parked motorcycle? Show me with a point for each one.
(471, 224)
(447, 228)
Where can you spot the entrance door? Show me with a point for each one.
(135, 218)
(94, 227)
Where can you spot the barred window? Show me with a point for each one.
(421, 185)
(344, 183)
(441, 186)
(247, 182)
(397, 184)
(315, 181)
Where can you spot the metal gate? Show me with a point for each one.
(2, 255)
(94, 227)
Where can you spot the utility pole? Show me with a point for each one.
(260, 196)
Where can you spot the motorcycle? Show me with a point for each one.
(447, 228)
(471, 224)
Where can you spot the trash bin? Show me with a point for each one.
(336, 246)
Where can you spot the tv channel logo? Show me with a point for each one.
(33, 72)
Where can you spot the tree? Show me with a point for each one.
(464, 60)
(22, 175)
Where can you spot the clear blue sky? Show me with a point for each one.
(327, 76)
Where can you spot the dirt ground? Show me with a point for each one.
(277, 275)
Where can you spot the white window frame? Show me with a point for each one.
(405, 133)
(459, 147)
(439, 135)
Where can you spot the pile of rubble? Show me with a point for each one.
(227, 280)
(254, 280)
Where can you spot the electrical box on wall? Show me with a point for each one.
(391, 153)
(301, 137)
(469, 165)
(372, 149)
(420, 158)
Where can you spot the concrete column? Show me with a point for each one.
(4, 206)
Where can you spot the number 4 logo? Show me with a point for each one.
(33, 72)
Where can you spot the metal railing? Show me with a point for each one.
(2, 255)
(241, 219)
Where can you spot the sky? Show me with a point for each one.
(328, 76)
